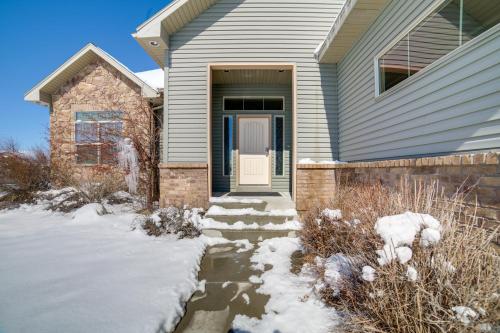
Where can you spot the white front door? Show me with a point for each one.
(254, 144)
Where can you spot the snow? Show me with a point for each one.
(87, 272)
(218, 210)
(212, 224)
(292, 306)
(411, 274)
(246, 298)
(127, 160)
(332, 214)
(255, 279)
(202, 286)
(310, 161)
(400, 230)
(404, 254)
(154, 78)
(429, 237)
(234, 200)
(464, 314)
(225, 284)
(368, 273)
(337, 267)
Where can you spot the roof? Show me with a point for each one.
(42, 92)
(155, 78)
(351, 23)
(153, 34)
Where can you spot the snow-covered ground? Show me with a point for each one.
(83, 272)
(293, 305)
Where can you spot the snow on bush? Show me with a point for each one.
(411, 274)
(400, 230)
(332, 214)
(464, 314)
(429, 237)
(337, 268)
(63, 200)
(173, 220)
(368, 273)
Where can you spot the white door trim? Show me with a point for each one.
(238, 160)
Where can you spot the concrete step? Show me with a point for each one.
(250, 215)
(235, 203)
(253, 235)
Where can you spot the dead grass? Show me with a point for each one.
(462, 270)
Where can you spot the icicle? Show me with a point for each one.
(127, 160)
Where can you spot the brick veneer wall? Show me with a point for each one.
(316, 182)
(97, 87)
(184, 184)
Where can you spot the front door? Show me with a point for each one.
(254, 144)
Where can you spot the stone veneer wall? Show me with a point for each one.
(184, 184)
(317, 182)
(97, 87)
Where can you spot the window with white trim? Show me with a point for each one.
(452, 24)
(96, 136)
(279, 145)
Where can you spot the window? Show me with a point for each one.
(254, 103)
(279, 143)
(452, 24)
(227, 150)
(96, 136)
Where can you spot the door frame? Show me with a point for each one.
(269, 118)
(253, 65)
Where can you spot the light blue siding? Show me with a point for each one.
(453, 105)
(253, 31)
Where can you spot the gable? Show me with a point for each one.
(42, 92)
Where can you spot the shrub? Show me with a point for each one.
(172, 220)
(460, 271)
(23, 174)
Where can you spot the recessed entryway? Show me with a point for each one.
(252, 124)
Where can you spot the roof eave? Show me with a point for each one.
(38, 96)
(352, 22)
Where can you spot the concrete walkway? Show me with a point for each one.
(226, 271)
(228, 292)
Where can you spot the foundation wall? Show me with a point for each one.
(476, 174)
(184, 184)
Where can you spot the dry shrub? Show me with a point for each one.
(172, 220)
(23, 174)
(461, 270)
(99, 182)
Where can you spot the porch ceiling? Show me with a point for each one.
(252, 76)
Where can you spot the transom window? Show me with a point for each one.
(452, 24)
(96, 136)
(254, 103)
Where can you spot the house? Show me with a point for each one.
(264, 96)
(93, 101)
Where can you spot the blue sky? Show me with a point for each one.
(38, 36)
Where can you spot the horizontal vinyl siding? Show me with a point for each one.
(452, 106)
(253, 31)
(228, 183)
